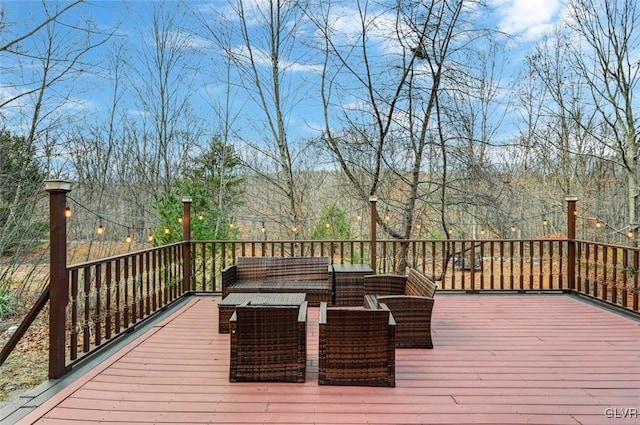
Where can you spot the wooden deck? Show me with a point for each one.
(498, 359)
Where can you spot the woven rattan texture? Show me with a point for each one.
(308, 275)
(410, 298)
(356, 347)
(268, 343)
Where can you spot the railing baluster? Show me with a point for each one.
(109, 285)
(74, 315)
(614, 287)
(86, 335)
(134, 290)
(125, 291)
(625, 272)
(97, 322)
(636, 264)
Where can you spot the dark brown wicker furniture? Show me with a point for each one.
(308, 275)
(268, 343)
(356, 346)
(348, 283)
(228, 305)
(410, 298)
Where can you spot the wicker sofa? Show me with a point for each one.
(356, 346)
(310, 275)
(268, 343)
(410, 298)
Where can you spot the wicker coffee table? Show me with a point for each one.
(228, 305)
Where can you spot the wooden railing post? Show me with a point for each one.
(374, 243)
(59, 285)
(571, 241)
(186, 246)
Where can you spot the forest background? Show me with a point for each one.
(280, 118)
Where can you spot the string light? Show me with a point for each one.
(358, 217)
(630, 234)
(513, 228)
(150, 237)
(263, 228)
(129, 238)
(67, 212)
(327, 225)
(179, 219)
(100, 229)
(167, 230)
(545, 222)
(200, 217)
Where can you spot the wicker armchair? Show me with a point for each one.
(356, 346)
(410, 298)
(268, 343)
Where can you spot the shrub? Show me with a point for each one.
(7, 304)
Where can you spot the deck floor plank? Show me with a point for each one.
(498, 359)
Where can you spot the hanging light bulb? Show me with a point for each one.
(200, 217)
(150, 237)
(167, 230)
(179, 219)
(630, 234)
(100, 229)
(232, 225)
(358, 217)
(327, 225)
(128, 239)
(67, 212)
(598, 224)
(545, 222)
(513, 228)
(263, 229)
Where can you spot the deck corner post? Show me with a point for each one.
(372, 232)
(59, 283)
(571, 241)
(186, 246)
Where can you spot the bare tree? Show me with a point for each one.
(399, 75)
(261, 41)
(163, 81)
(605, 54)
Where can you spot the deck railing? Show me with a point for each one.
(457, 265)
(95, 302)
(109, 296)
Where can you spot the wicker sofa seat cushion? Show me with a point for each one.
(283, 286)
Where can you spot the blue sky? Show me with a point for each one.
(525, 19)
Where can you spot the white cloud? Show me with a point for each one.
(527, 18)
